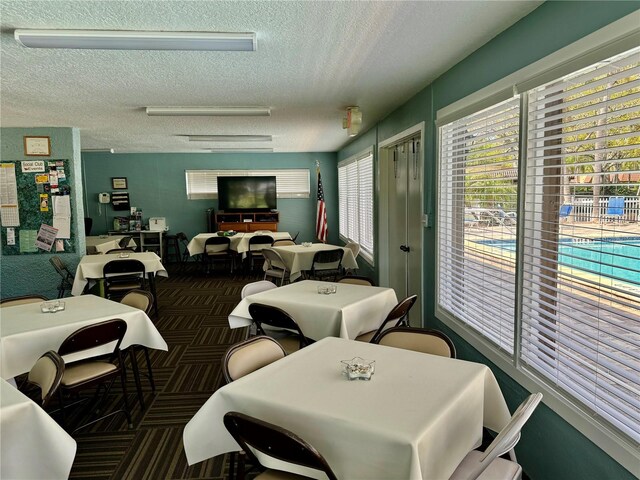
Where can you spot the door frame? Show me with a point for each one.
(383, 203)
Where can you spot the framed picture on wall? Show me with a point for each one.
(119, 183)
(37, 146)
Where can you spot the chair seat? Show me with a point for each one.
(279, 475)
(76, 374)
(275, 272)
(499, 469)
(125, 285)
(366, 337)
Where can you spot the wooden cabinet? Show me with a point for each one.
(248, 221)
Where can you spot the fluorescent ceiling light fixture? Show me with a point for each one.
(239, 150)
(229, 138)
(98, 150)
(136, 40)
(210, 111)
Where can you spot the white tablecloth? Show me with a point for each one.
(351, 311)
(32, 444)
(90, 267)
(239, 242)
(26, 333)
(298, 258)
(416, 419)
(102, 244)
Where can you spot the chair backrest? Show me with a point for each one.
(272, 256)
(217, 244)
(22, 300)
(120, 250)
(88, 223)
(357, 280)
(124, 242)
(250, 355)
(276, 317)
(283, 243)
(60, 267)
(396, 316)
(295, 237)
(95, 335)
(140, 299)
(182, 237)
(418, 340)
(327, 259)
(354, 247)
(258, 242)
(124, 266)
(615, 206)
(274, 441)
(256, 287)
(565, 210)
(47, 374)
(508, 436)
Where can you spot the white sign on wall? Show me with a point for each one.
(32, 166)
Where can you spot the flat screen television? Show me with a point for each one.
(236, 194)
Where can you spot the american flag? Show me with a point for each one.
(321, 214)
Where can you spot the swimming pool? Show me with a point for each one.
(617, 258)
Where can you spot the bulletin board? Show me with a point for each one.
(39, 186)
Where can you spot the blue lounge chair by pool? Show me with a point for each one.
(615, 209)
(565, 211)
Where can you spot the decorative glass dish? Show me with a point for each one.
(358, 368)
(327, 289)
(306, 244)
(52, 306)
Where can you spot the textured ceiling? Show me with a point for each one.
(314, 59)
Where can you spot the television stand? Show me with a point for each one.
(248, 221)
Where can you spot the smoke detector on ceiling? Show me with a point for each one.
(352, 121)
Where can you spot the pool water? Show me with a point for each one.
(619, 260)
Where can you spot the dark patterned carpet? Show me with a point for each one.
(193, 321)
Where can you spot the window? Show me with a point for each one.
(565, 309)
(290, 183)
(355, 200)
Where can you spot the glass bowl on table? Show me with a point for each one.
(358, 368)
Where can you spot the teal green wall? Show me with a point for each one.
(157, 185)
(32, 273)
(550, 447)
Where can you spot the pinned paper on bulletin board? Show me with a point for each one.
(42, 178)
(46, 237)
(44, 202)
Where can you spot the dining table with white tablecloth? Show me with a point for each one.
(416, 418)
(32, 444)
(238, 243)
(351, 311)
(104, 243)
(91, 266)
(26, 332)
(299, 258)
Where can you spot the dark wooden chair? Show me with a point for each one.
(292, 338)
(22, 300)
(123, 275)
(418, 340)
(256, 244)
(46, 374)
(396, 317)
(66, 282)
(142, 300)
(273, 441)
(88, 373)
(327, 264)
(217, 249)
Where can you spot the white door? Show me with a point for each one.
(401, 215)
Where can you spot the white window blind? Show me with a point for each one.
(477, 203)
(290, 183)
(581, 289)
(355, 200)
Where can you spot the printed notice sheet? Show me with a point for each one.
(28, 241)
(46, 237)
(9, 213)
(62, 215)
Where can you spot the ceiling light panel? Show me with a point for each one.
(229, 138)
(136, 40)
(210, 111)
